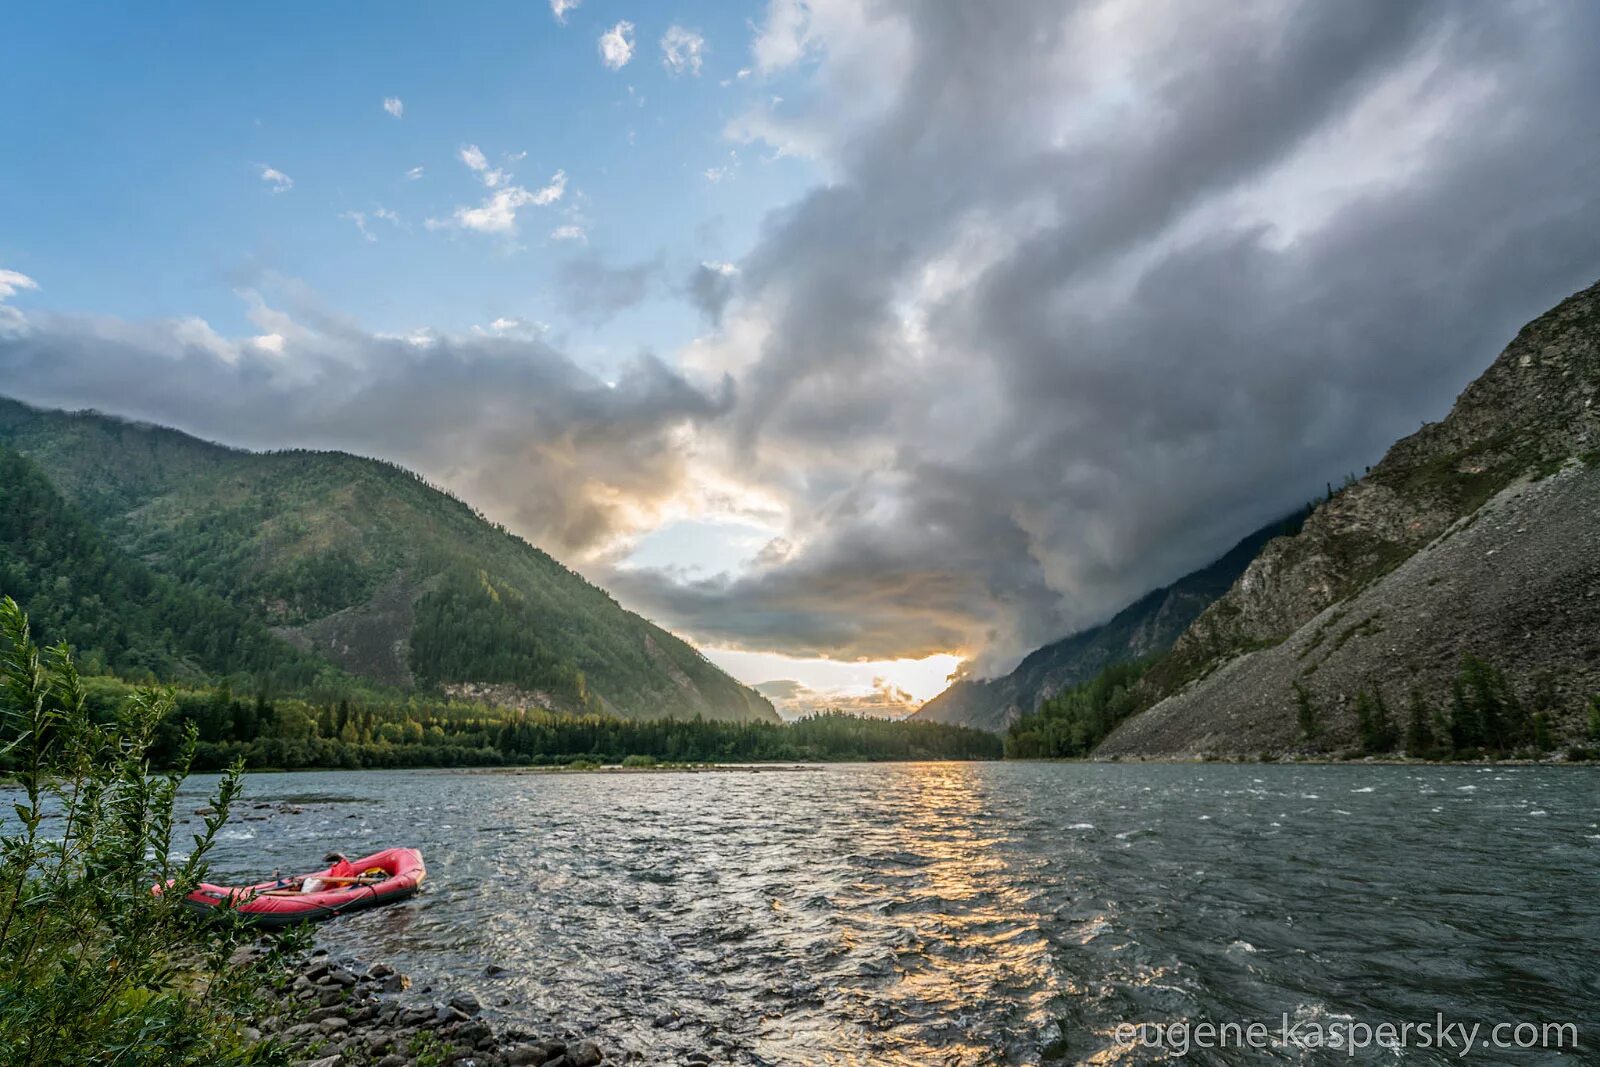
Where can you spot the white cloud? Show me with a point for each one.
(474, 158)
(716, 174)
(559, 8)
(394, 106)
(11, 281)
(413, 174)
(512, 327)
(280, 182)
(616, 46)
(682, 50)
(360, 220)
(569, 233)
(498, 214)
(783, 38)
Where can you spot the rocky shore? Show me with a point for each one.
(343, 1013)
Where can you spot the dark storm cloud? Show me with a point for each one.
(709, 288)
(1089, 292)
(1287, 238)
(594, 289)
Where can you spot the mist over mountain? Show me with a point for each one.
(1148, 626)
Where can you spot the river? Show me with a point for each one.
(970, 913)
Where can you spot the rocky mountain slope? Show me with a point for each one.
(1479, 534)
(1144, 628)
(365, 564)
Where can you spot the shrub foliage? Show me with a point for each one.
(95, 968)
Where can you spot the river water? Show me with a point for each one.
(971, 913)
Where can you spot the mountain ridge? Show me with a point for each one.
(1478, 535)
(1147, 626)
(365, 564)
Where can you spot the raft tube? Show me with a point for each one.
(266, 904)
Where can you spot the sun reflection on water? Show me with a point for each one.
(963, 940)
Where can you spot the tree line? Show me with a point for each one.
(292, 733)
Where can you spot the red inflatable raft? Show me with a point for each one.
(349, 885)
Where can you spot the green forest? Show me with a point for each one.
(120, 616)
(1075, 720)
(289, 733)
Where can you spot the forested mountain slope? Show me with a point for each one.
(1476, 536)
(365, 564)
(119, 615)
(1146, 627)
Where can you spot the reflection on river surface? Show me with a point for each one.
(967, 913)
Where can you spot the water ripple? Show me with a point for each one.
(966, 914)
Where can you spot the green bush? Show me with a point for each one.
(95, 968)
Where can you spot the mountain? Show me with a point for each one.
(1476, 536)
(355, 563)
(118, 614)
(1146, 627)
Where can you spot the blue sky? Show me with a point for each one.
(140, 146)
(864, 339)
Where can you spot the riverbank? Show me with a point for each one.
(345, 1013)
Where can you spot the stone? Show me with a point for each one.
(379, 970)
(447, 1013)
(396, 983)
(587, 1054)
(474, 1032)
(333, 1025)
(300, 1031)
(494, 970)
(330, 997)
(394, 1059)
(466, 1002)
(327, 1061)
(342, 977)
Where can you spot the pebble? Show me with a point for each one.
(346, 1020)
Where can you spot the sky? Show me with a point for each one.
(864, 344)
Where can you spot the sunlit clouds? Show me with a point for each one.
(855, 341)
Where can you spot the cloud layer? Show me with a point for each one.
(500, 417)
(1087, 292)
(1094, 289)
